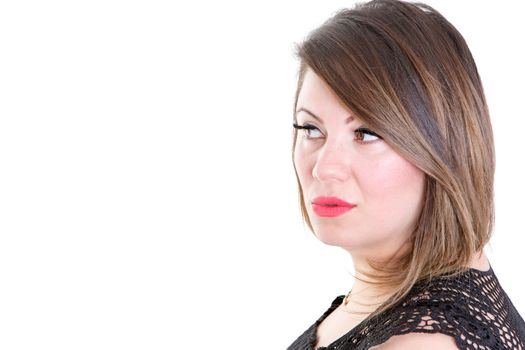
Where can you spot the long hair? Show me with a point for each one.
(404, 70)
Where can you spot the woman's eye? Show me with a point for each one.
(307, 128)
(365, 135)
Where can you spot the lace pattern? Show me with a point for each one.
(471, 307)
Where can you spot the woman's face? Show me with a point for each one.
(334, 160)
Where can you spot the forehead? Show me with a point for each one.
(317, 97)
(315, 89)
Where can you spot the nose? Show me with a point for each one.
(333, 163)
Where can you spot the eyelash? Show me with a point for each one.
(358, 130)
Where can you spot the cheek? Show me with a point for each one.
(303, 166)
(394, 185)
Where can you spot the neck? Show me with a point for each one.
(365, 297)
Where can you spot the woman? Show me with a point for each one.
(394, 156)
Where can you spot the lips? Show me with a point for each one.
(332, 201)
(330, 206)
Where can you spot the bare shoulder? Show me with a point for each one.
(413, 341)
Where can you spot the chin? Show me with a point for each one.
(350, 239)
(335, 238)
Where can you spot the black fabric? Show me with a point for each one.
(471, 307)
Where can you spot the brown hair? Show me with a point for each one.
(404, 70)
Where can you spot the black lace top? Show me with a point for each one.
(471, 307)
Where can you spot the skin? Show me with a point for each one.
(364, 170)
(358, 168)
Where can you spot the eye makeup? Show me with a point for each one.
(359, 131)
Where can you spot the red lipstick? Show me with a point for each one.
(330, 206)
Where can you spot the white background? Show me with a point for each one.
(147, 193)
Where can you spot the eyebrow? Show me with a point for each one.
(302, 109)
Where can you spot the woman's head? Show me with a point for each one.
(338, 158)
(405, 73)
